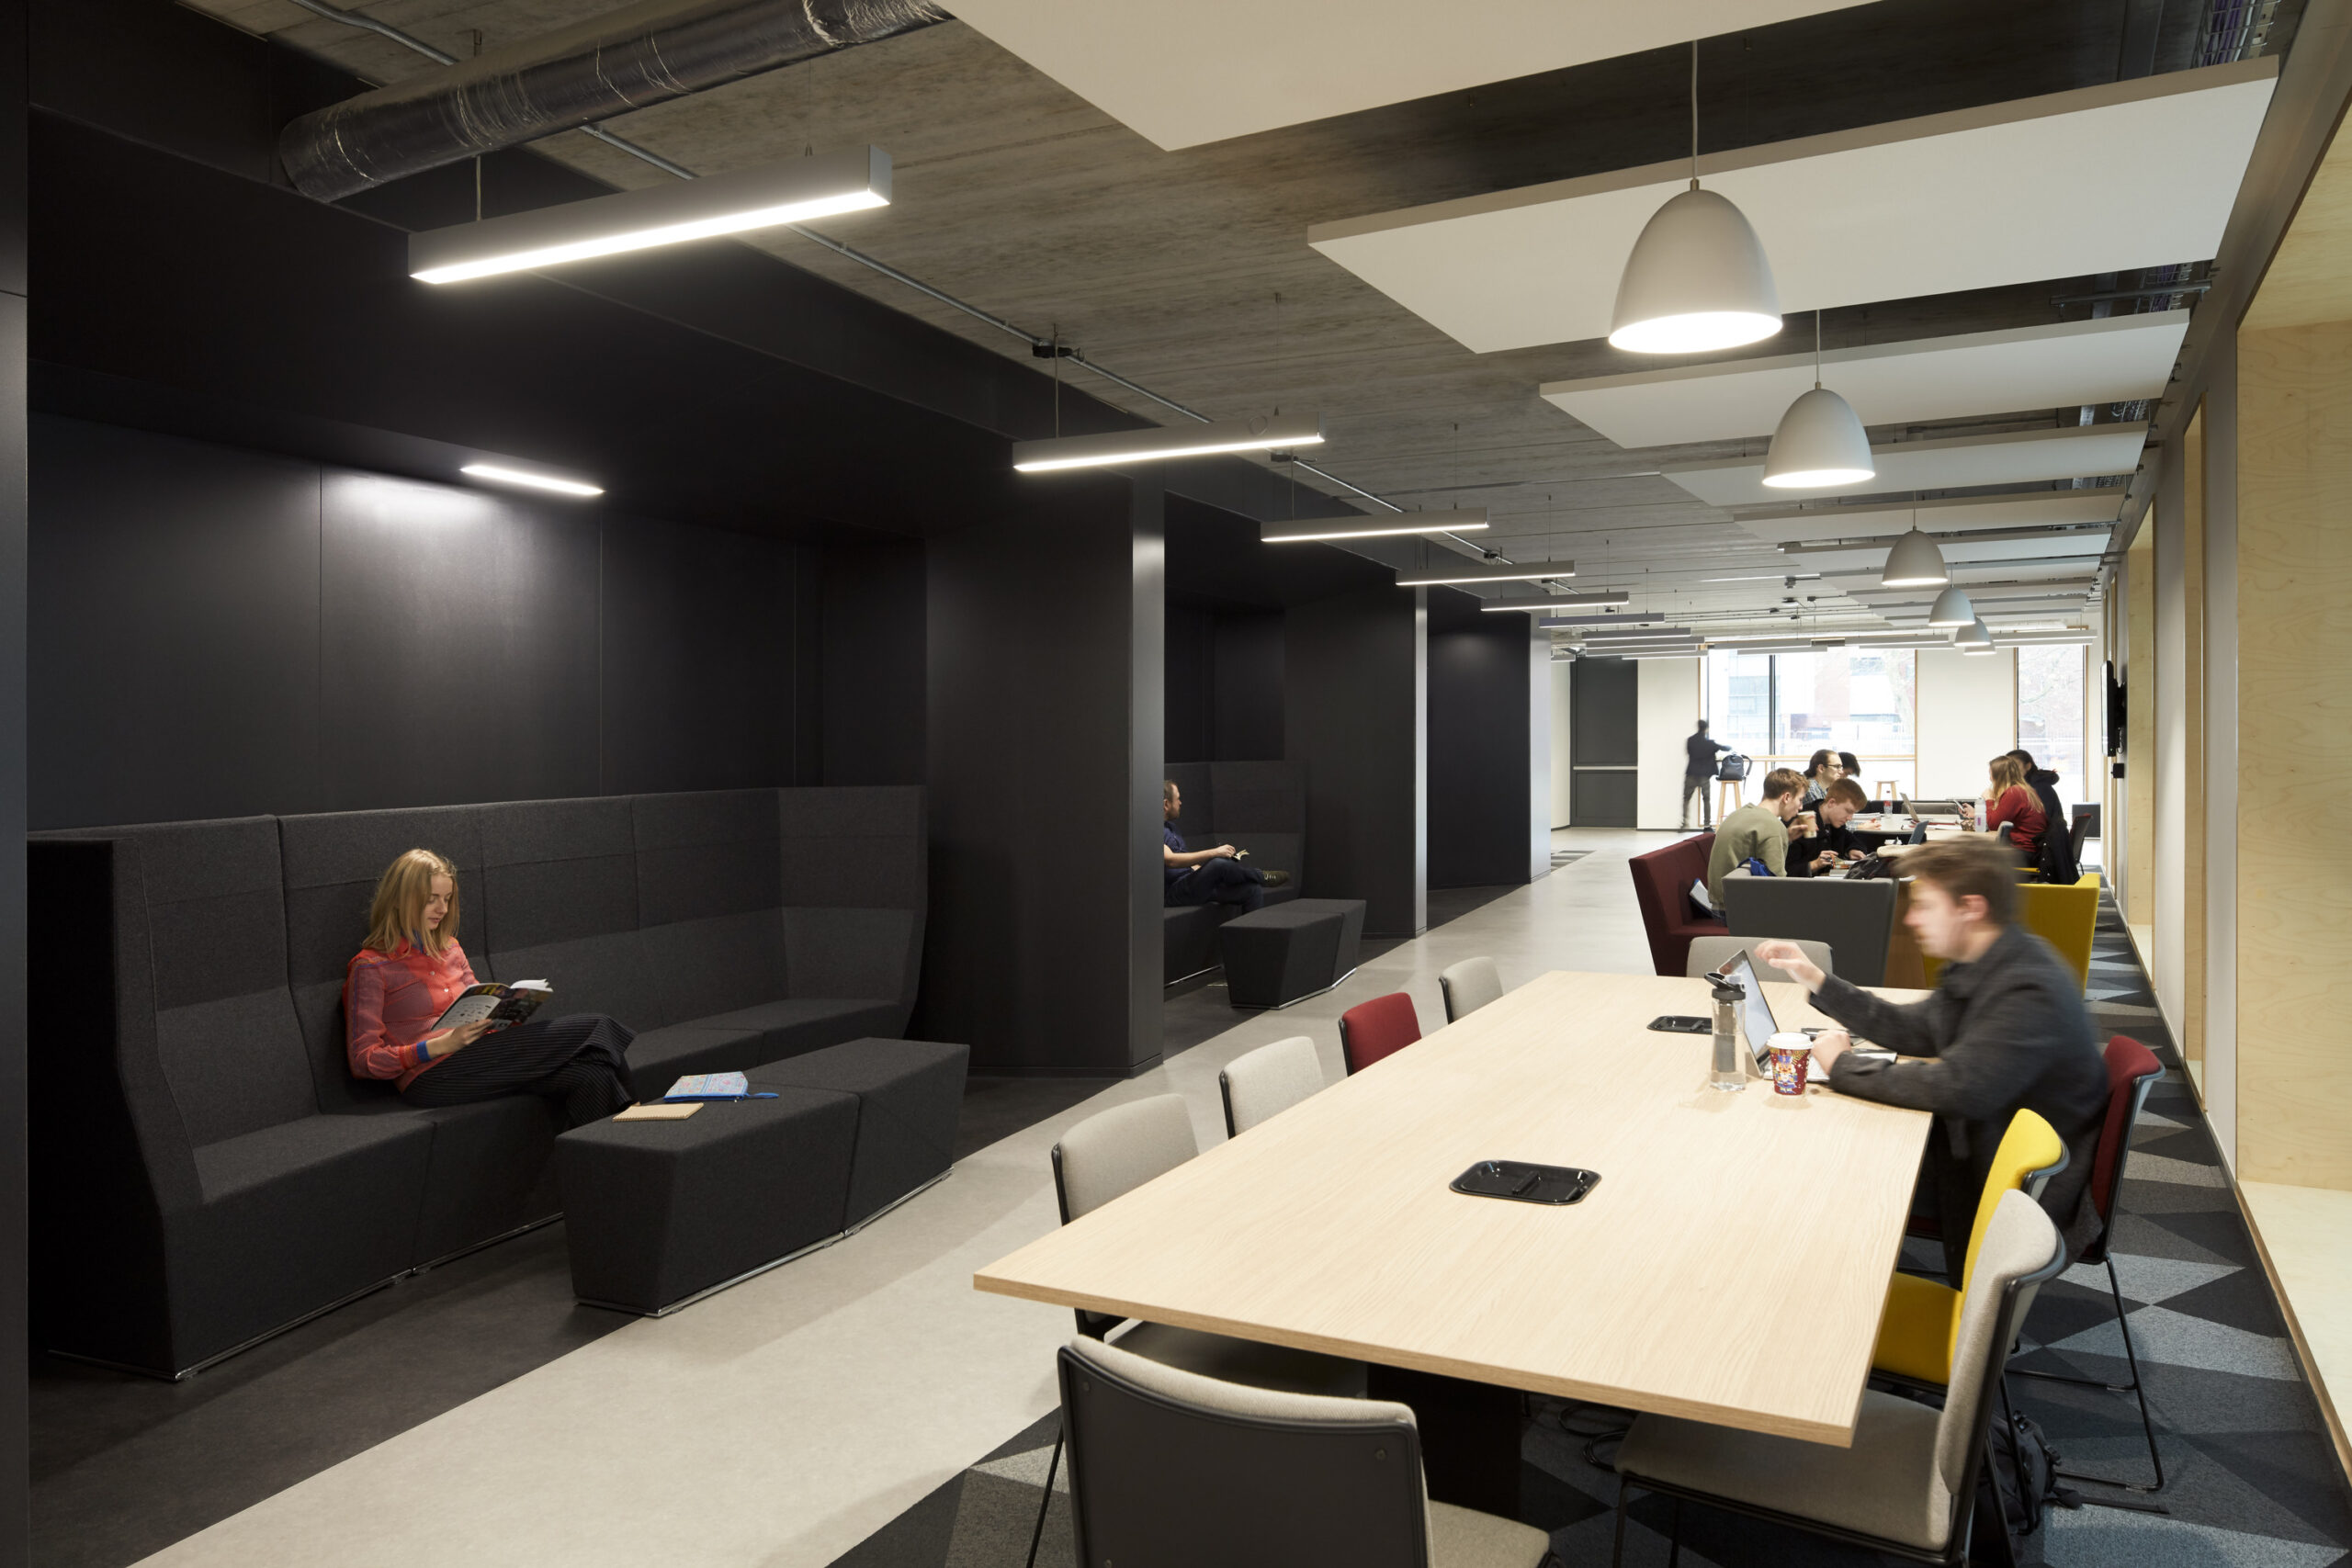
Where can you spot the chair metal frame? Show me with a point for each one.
(1955, 1549)
(2099, 1252)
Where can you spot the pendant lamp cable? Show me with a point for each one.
(1058, 380)
(1816, 348)
(1694, 114)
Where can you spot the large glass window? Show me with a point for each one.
(2051, 712)
(1780, 708)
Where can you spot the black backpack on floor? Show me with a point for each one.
(2025, 1474)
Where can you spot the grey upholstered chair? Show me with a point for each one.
(1114, 1152)
(1711, 953)
(1908, 1484)
(1855, 919)
(1469, 986)
(1167, 1466)
(1260, 1083)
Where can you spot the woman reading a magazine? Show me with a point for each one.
(397, 987)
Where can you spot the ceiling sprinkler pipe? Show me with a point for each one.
(562, 81)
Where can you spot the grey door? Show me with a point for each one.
(1603, 728)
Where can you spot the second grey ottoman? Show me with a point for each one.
(1286, 953)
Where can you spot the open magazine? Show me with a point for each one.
(505, 1005)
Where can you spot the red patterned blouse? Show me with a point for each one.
(389, 1000)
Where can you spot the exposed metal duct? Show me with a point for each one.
(626, 60)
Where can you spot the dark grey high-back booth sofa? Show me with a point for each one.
(206, 1171)
(1259, 807)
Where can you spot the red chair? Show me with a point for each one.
(2131, 1070)
(1381, 1027)
(1662, 880)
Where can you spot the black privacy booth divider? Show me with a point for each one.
(206, 1171)
(1259, 807)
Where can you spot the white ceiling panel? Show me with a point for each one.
(2109, 178)
(1840, 564)
(2112, 361)
(2042, 509)
(2064, 452)
(1186, 72)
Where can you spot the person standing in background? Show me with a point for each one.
(1701, 749)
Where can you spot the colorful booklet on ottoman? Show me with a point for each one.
(713, 1086)
(503, 1006)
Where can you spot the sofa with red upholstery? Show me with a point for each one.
(1662, 880)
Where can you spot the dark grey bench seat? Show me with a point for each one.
(206, 1170)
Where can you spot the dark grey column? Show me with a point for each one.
(1355, 713)
(16, 1542)
(1488, 747)
(1044, 719)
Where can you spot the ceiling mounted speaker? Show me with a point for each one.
(1914, 562)
(1820, 443)
(1952, 609)
(1698, 280)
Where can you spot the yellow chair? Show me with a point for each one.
(1919, 1331)
(2066, 917)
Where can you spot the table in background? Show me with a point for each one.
(1730, 1267)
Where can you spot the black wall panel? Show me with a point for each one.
(872, 672)
(1604, 699)
(15, 1461)
(1249, 713)
(1190, 725)
(1478, 751)
(698, 661)
(174, 632)
(1355, 707)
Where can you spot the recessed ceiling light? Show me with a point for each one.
(1468, 520)
(789, 192)
(503, 476)
(1253, 435)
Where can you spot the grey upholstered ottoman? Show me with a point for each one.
(658, 1212)
(909, 1093)
(1281, 954)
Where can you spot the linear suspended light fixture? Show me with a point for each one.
(1697, 278)
(1467, 520)
(1256, 434)
(789, 192)
(1434, 576)
(1820, 442)
(1562, 603)
(498, 475)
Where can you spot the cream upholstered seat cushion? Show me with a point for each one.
(1464, 1538)
(1271, 1079)
(1458, 1538)
(1469, 986)
(1880, 1487)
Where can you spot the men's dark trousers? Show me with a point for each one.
(1222, 881)
(580, 1063)
(1697, 782)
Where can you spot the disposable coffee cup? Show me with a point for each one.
(1792, 1054)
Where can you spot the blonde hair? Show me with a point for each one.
(398, 913)
(2008, 773)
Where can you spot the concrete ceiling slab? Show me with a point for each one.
(2118, 359)
(2065, 452)
(1974, 198)
(1187, 72)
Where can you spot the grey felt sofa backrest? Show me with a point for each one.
(1260, 806)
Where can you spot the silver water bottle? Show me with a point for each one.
(1727, 1072)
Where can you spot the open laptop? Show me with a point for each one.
(1756, 1012)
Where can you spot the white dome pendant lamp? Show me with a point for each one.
(1698, 278)
(1973, 639)
(1820, 443)
(1914, 562)
(1952, 608)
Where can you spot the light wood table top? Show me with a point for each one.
(1730, 1267)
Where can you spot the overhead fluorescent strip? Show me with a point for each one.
(1254, 434)
(499, 475)
(1467, 520)
(1561, 604)
(790, 192)
(1535, 571)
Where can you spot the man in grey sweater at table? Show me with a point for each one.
(2005, 1031)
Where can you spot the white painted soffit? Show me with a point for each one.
(1784, 523)
(2062, 452)
(1837, 565)
(1186, 72)
(2111, 178)
(2117, 360)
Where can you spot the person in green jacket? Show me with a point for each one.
(1761, 831)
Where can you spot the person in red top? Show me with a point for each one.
(397, 987)
(2013, 804)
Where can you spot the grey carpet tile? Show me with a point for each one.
(2171, 1338)
(2103, 1538)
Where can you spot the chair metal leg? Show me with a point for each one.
(1674, 1535)
(2133, 1388)
(1617, 1552)
(1044, 1503)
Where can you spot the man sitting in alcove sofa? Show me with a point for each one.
(1208, 876)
